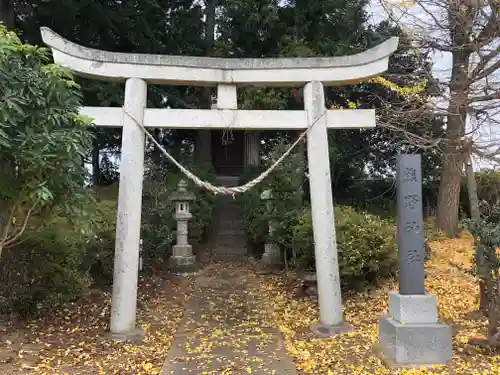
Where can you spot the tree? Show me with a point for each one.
(468, 32)
(7, 14)
(160, 27)
(43, 139)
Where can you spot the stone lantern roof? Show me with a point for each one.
(266, 195)
(182, 194)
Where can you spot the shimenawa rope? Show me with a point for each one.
(222, 189)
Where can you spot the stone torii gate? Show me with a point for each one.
(137, 70)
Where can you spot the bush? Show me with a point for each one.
(46, 268)
(98, 245)
(60, 260)
(486, 268)
(366, 245)
(63, 257)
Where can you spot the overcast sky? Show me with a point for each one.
(441, 62)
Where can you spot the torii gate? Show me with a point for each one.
(227, 74)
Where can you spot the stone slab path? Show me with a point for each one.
(226, 329)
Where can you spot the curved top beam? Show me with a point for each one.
(208, 71)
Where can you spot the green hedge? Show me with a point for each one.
(366, 245)
(47, 267)
(285, 183)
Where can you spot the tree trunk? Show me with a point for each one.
(96, 168)
(449, 188)
(472, 189)
(7, 173)
(7, 14)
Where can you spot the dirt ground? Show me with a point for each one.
(72, 340)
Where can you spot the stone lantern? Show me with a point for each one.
(182, 261)
(272, 254)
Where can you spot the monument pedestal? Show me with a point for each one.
(410, 335)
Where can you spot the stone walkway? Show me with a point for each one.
(226, 329)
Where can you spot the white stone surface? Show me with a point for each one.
(104, 116)
(419, 309)
(182, 232)
(227, 97)
(182, 251)
(128, 223)
(325, 245)
(237, 119)
(414, 344)
(191, 70)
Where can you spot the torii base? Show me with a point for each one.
(137, 335)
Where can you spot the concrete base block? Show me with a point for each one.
(414, 344)
(183, 265)
(324, 331)
(137, 335)
(413, 308)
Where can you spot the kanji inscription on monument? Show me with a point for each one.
(410, 225)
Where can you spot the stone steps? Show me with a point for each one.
(217, 257)
(229, 242)
(231, 232)
(232, 225)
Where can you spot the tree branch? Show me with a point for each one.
(477, 75)
(23, 227)
(485, 98)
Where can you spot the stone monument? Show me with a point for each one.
(182, 261)
(410, 333)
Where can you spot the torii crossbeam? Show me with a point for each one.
(227, 74)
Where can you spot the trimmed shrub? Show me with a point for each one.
(59, 260)
(46, 268)
(366, 245)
